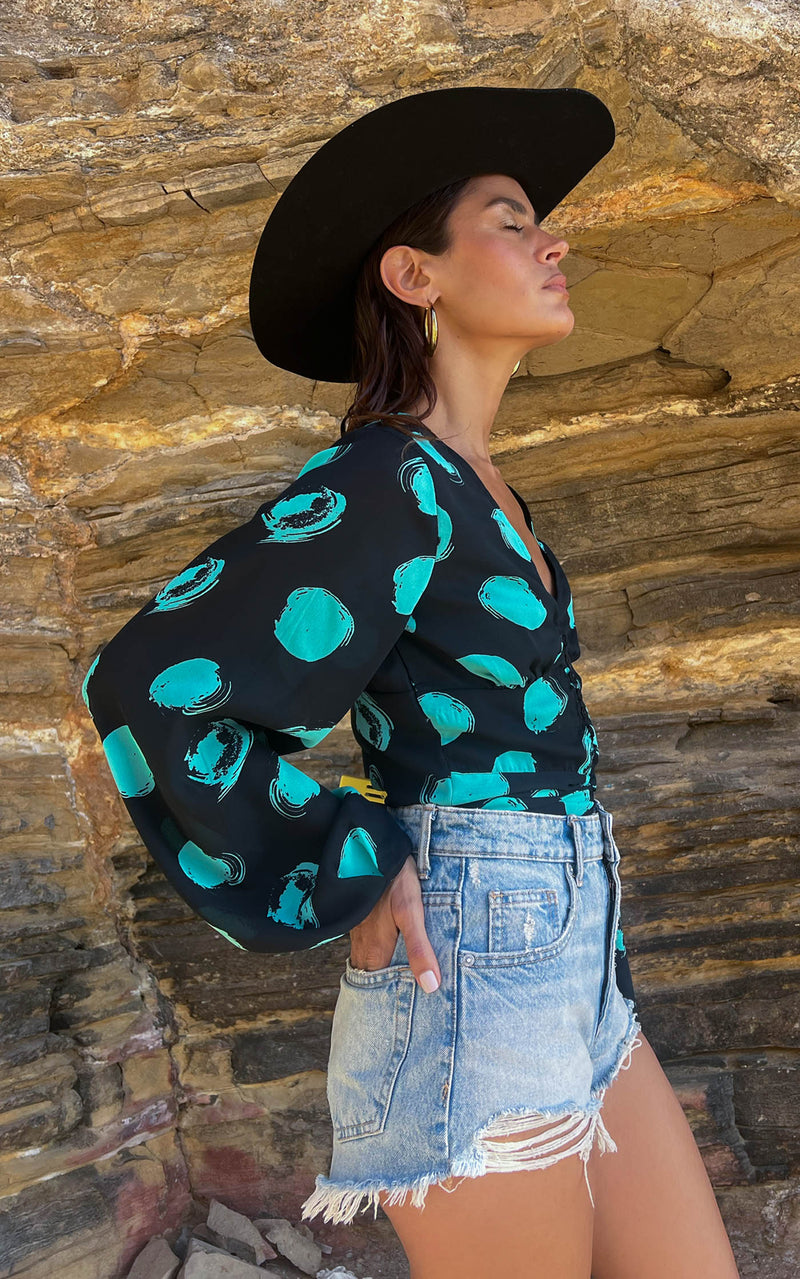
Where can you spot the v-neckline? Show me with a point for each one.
(554, 598)
(543, 547)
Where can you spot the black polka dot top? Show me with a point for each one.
(384, 581)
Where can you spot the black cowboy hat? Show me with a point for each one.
(302, 285)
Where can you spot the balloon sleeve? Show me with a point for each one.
(253, 651)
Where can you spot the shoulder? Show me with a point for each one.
(376, 459)
(367, 481)
(371, 443)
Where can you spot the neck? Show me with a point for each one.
(468, 397)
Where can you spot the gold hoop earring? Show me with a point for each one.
(430, 327)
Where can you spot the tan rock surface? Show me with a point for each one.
(146, 1065)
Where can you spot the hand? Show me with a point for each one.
(398, 910)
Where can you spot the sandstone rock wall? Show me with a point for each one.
(146, 1066)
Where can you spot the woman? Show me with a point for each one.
(482, 1023)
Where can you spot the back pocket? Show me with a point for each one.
(369, 1042)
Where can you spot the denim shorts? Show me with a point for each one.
(528, 1026)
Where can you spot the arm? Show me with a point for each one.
(256, 649)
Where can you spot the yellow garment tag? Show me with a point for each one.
(366, 788)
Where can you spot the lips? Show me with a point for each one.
(557, 281)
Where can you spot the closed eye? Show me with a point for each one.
(513, 227)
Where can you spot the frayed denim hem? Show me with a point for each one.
(575, 1133)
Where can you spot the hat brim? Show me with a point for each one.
(302, 284)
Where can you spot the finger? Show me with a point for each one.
(374, 950)
(409, 915)
(421, 955)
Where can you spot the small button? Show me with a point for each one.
(469, 959)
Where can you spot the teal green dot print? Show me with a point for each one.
(543, 702)
(290, 902)
(304, 515)
(373, 722)
(217, 756)
(513, 599)
(359, 854)
(129, 768)
(313, 624)
(207, 871)
(494, 668)
(448, 715)
(188, 586)
(193, 686)
(510, 535)
(291, 791)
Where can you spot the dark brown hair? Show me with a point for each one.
(391, 356)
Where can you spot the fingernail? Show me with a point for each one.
(428, 980)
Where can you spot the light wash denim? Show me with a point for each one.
(527, 1027)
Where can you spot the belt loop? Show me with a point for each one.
(577, 840)
(423, 851)
(607, 822)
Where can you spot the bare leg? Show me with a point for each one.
(534, 1224)
(656, 1215)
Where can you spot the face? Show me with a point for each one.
(490, 284)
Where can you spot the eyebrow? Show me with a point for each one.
(512, 204)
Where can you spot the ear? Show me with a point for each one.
(404, 272)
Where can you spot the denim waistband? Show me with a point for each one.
(454, 831)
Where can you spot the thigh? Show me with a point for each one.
(656, 1215)
(532, 1224)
